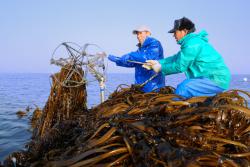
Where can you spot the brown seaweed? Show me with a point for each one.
(133, 128)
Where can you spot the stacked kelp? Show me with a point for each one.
(64, 107)
(133, 128)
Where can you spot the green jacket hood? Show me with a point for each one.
(202, 35)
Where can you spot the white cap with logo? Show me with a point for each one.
(141, 29)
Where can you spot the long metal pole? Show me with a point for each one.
(102, 89)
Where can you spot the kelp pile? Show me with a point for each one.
(132, 128)
(63, 102)
(62, 111)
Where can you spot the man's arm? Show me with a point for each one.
(153, 52)
(179, 62)
(118, 61)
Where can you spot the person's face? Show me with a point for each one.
(178, 34)
(141, 36)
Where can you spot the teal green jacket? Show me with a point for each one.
(197, 59)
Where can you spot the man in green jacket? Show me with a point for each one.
(203, 66)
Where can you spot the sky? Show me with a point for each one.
(31, 30)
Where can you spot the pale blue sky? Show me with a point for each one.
(31, 30)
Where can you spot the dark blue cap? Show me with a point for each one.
(183, 23)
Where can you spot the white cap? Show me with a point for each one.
(141, 29)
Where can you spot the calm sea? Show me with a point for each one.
(17, 91)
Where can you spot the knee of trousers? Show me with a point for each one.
(183, 90)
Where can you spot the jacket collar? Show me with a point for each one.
(147, 41)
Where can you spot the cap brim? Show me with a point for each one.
(135, 31)
(171, 31)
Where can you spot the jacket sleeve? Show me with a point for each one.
(124, 63)
(179, 62)
(153, 52)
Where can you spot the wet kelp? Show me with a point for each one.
(132, 128)
(60, 113)
(152, 129)
(63, 102)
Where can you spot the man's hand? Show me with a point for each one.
(146, 66)
(113, 58)
(154, 64)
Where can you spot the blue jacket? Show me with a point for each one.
(150, 50)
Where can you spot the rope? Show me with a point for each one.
(151, 78)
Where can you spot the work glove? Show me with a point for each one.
(154, 64)
(147, 66)
(113, 58)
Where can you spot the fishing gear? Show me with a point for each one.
(90, 59)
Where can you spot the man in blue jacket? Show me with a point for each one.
(148, 49)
